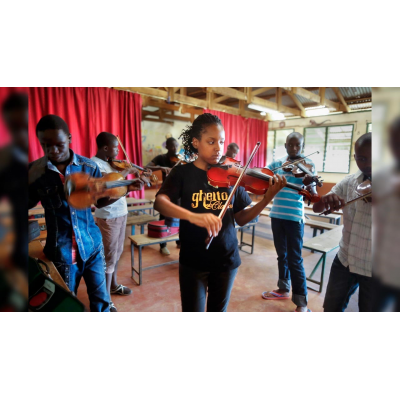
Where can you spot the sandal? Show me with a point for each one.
(121, 290)
(112, 307)
(276, 296)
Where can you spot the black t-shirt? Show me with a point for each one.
(190, 184)
(163, 160)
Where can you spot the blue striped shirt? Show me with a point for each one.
(288, 204)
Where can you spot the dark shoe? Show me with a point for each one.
(121, 290)
(112, 307)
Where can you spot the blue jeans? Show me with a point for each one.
(343, 284)
(194, 285)
(93, 272)
(288, 240)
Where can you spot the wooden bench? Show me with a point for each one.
(140, 220)
(43, 236)
(140, 241)
(323, 244)
(241, 229)
(334, 217)
(314, 224)
(36, 211)
(141, 209)
(132, 201)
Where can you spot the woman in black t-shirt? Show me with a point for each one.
(213, 269)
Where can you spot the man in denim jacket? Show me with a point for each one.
(74, 241)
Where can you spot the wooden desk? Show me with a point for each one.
(132, 201)
(35, 250)
(140, 241)
(323, 244)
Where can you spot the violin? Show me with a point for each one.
(122, 165)
(364, 190)
(254, 180)
(82, 190)
(233, 191)
(300, 170)
(177, 160)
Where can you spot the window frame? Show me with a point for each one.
(326, 144)
(276, 130)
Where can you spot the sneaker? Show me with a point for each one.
(121, 290)
(165, 251)
(112, 307)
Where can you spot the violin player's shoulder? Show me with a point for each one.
(81, 160)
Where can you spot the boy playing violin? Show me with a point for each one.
(74, 241)
(164, 163)
(112, 219)
(287, 222)
(352, 266)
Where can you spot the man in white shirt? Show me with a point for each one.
(112, 219)
(352, 266)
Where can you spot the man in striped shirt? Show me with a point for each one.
(287, 222)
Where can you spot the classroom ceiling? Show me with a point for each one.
(274, 103)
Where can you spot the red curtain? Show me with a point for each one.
(235, 131)
(89, 111)
(245, 132)
(257, 132)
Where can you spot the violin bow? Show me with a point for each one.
(297, 161)
(127, 158)
(130, 162)
(327, 212)
(228, 202)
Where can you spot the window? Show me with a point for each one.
(270, 147)
(334, 146)
(369, 127)
(276, 144)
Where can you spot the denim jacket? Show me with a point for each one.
(45, 185)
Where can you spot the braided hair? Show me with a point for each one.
(195, 131)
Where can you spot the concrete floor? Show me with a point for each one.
(258, 272)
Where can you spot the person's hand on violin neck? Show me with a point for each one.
(307, 180)
(138, 185)
(276, 183)
(131, 170)
(330, 201)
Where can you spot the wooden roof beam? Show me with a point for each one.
(341, 98)
(297, 102)
(261, 90)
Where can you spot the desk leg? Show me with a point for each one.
(133, 230)
(322, 272)
(132, 261)
(252, 239)
(140, 265)
(142, 229)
